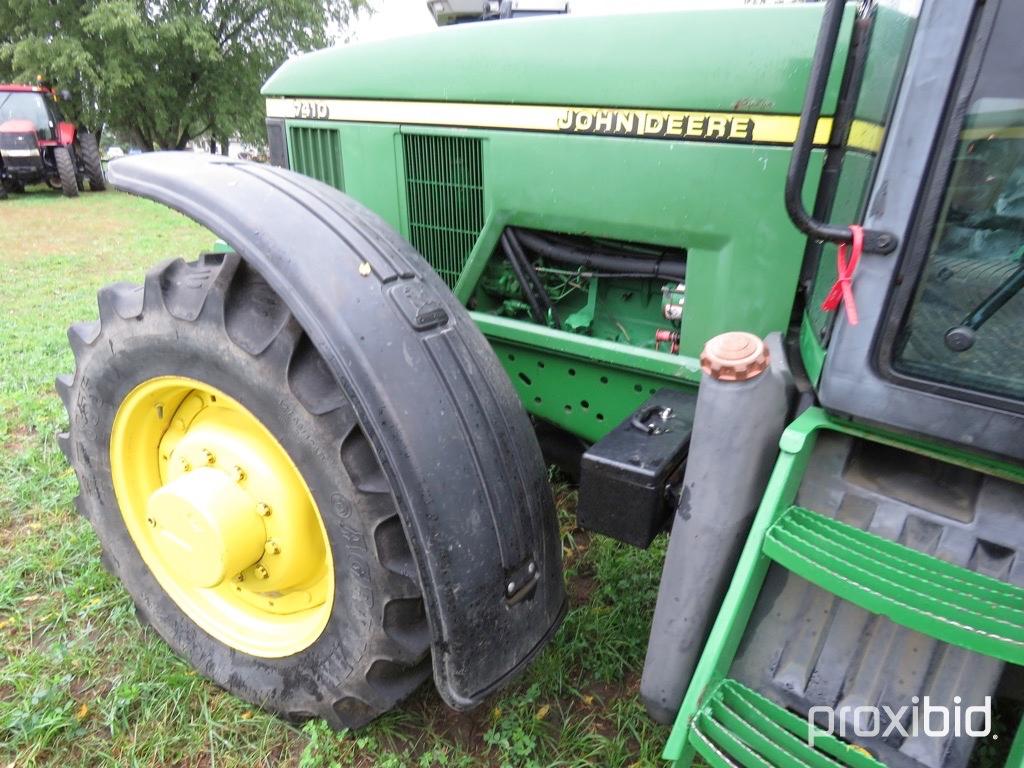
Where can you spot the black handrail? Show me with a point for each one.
(821, 65)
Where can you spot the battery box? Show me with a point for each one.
(625, 476)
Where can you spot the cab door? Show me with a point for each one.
(939, 350)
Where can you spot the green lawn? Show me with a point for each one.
(83, 684)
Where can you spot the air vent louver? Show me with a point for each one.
(445, 197)
(316, 152)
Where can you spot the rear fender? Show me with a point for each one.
(402, 346)
(65, 134)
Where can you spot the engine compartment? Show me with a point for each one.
(623, 292)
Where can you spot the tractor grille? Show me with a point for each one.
(316, 152)
(445, 198)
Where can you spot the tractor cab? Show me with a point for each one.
(33, 104)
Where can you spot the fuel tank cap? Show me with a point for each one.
(734, 356)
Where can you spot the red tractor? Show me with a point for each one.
(38, 145)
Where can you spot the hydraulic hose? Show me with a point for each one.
(566, 254)
(519, 269)
(534, 278)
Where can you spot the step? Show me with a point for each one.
(945, 601)
(739, 728)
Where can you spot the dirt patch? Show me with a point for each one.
(606, 692)
(17, 438)
(17, 529)
(87, 689)
(464, 730)
(580, 589)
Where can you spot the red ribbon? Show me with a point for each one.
(842, 289)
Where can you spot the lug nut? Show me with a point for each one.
(239, 577)
(261, 572)
(273, 548)
(185, 464)
(263, 509)
(208, 456)
(151, 521)
(237, 474)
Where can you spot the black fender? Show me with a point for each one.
(429, 392)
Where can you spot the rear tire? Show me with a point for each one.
(90, 154)
(67, 171)
(218, 322)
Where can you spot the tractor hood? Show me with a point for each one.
(750, 59)
(18, 126)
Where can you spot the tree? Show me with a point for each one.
(163, 72)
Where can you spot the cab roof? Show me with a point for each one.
(8, 87)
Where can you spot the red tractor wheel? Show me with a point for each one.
(67, 171)
(90, 154)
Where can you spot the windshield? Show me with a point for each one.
(965, 324)
(25, 105)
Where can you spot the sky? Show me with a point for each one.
(393, 18)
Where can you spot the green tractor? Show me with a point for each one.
(751, 275)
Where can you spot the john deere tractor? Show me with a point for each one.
(751, 275)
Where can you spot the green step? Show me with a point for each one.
(919, 591)
(739, 728)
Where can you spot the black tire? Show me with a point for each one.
(90, 154)
(67, 171)
(217, 320)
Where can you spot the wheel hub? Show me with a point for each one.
(206, 528)
(221, 516)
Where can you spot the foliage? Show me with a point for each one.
(163, 72)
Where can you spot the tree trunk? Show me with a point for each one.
(141, 140)
(225, 145)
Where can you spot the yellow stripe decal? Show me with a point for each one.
(865, 136)
(729, 127)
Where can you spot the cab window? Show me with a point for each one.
(27, 105)
(965, 324)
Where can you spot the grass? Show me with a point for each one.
(83, 684)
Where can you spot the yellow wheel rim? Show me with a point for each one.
(221, 516)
